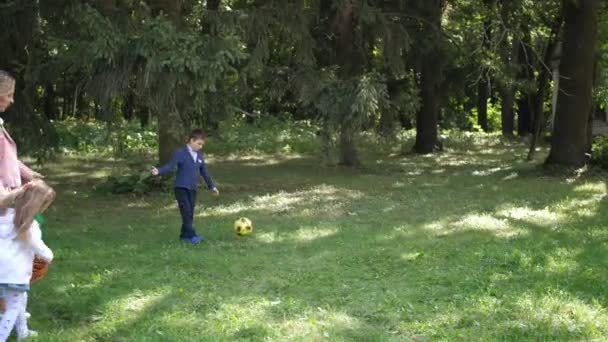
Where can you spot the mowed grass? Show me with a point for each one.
(469, 244)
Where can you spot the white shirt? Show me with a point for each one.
(17, 256)
(194, 154)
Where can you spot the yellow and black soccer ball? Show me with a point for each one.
(243, 226)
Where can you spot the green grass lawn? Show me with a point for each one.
(469, 244)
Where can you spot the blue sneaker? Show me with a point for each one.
(193, 240)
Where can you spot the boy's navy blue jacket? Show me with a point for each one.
(188, 170)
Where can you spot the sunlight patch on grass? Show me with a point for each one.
(593, 187)
(411, 256)
(317, 326)
(476, 222)
(138, 301)
(258, 159)
(581, 207)
(269, 237)
(171, 206)
(460, 159)
(558, 312)
(510, 176)
(489, 171)
(436, 225)
(304, 234)
(323, 198)
(280, 201)
(138, 204)
(414, 173)
(310, 234)
(234, 208)
(331, 209)
(482, 222)
(543, 217)
(399, 185)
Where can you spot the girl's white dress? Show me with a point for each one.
(17, 256)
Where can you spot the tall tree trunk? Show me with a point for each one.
(574, 103)
(507, 113)
(483, 88)
(388, 118)
(144, 113)
(51, 110)
(524, 115)
(483, 94)
(128, 107)
(207, 21)
(170, 134)
(509, 53)
(171, 127)
(348, 151)
(67, 105)
(213, 5)
(524, 104)
(507, 89)
(431, 79)
(350, 61)
(428, 115)
(387, 123)
(82, 108)
(536, 103)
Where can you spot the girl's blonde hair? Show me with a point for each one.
(35, 199)
(7, 83)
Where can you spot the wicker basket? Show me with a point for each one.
(39, 270)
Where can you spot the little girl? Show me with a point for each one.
(20, 241)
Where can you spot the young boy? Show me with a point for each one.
(190, 163)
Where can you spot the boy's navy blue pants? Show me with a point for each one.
(186, 199)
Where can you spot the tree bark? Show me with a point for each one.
(170, 134)
(536, 103)
(483, 94)
(51, 110)
(483, 88)
(350, 61)
(431, 79)
(348, 151)
(171, 127)
(509, 54)
(524, 104)
(428, 115)
(574, 103)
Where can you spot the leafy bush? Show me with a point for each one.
(265, 135)
(599, 155)
(115, 139)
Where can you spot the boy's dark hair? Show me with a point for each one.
(198, 134)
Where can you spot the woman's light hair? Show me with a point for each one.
(7, 83)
